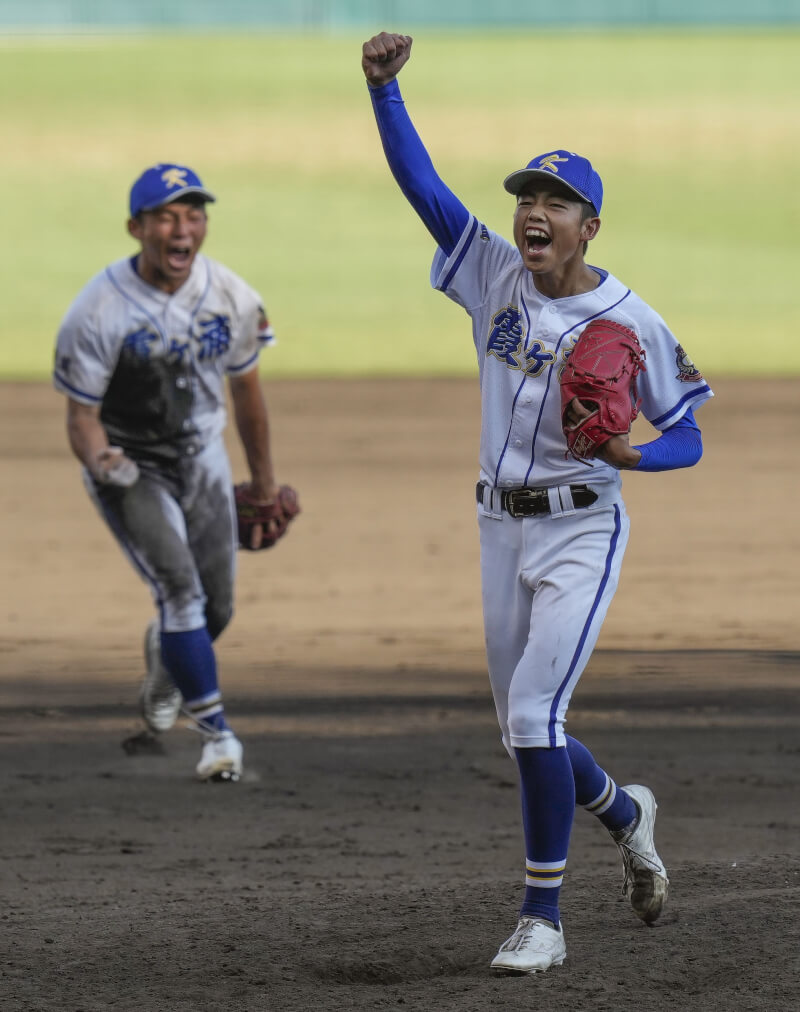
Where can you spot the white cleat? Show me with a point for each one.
(534, 947)
(159, 699)
(645, 883)
(221, 758)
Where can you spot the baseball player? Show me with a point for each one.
(141, 356)
(553, 528)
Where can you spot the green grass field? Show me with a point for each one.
(695, 135)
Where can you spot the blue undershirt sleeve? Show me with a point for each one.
(681, 445)
(441, 211)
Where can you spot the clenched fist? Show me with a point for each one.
(383, 57)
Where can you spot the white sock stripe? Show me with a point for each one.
(609, 801)
(206, 712)
(545, 866)
(210, 699)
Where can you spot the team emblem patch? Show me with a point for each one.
(687, 370)
(265, 332)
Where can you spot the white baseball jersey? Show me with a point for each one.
(155, 361)
(523, 338)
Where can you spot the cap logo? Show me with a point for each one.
(174, 177)
(548, 162)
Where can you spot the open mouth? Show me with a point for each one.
(179, 257)
(536, 241)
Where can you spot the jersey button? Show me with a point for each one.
(517, 442)
(180, 382)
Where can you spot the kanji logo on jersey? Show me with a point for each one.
(139, 343)
(566, 351)
(214, 337)
(177, 350)
(536, 358)
(506, 342)
(505, 337)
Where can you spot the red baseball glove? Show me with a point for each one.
(261, 523)
(601, 372)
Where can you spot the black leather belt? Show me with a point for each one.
(533, 502)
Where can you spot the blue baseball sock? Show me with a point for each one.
(189, 658)
(596, 791)
(548, 807)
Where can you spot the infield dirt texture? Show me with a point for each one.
(371, 858)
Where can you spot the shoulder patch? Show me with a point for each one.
(265, 332)
(687, 370)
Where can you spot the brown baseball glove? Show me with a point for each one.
(601, 372)
(261, 523)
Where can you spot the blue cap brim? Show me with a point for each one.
(517, 181)
(201, 190)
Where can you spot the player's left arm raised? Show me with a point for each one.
(443, 214)
(383, 57)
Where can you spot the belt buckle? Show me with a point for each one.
(526, 496)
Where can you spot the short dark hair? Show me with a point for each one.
(587, 211)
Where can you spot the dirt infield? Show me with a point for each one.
(371, 856)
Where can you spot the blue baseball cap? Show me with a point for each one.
(574, 172)
(163, 183)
